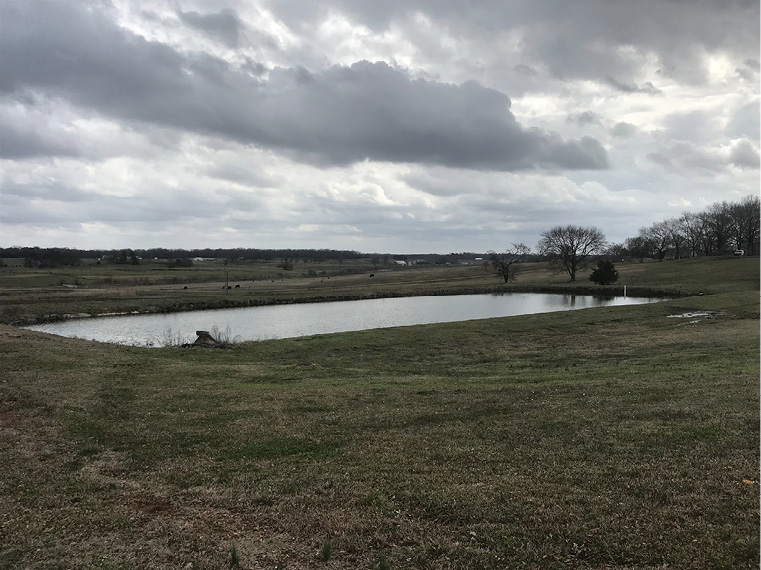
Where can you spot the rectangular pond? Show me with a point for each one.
(288, 321)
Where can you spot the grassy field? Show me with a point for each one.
(29, 296)
(615, 438)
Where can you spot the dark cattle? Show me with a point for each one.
(185, 287)
(372, 275)
(237, 286)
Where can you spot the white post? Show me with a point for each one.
(624, 290)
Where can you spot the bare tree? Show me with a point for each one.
(658, 237)
(752, 205)
(617, 251)
(745, 223)
(721, 228)
(676, 235)
(720, 223)
(707, 242)
(506, 265)
(638, 247)
(692, 228)
(572, 246)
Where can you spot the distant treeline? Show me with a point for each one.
(67, 257)
(722, 228)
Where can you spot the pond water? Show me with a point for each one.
(287, 321)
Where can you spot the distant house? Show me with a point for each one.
(198, 259)
(398, 262)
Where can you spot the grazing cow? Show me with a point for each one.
(237, 286)
(372, 275)
(185, 287)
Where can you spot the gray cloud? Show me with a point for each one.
(47, 192)
(224, 26)
(22, 138)
(584, 118)
(55, 202)
(339, 116)
(192, 125)
(745, 122)
(234, 170)
(692, 159)
(582, 39)
(661, 159)
(525, 70)
(628, 87)
(744, 155)
(623, 129)
(698, 127)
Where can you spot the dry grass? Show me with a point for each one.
(604, 438)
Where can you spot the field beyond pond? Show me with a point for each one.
(609, 438)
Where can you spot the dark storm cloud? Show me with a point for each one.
(224, 26)
(370, 110)
(339, 116)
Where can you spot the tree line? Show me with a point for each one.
(67, 257)
(724, 227)
(721, 228)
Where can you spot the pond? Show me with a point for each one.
(287, 321)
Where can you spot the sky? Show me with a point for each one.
(414, 126)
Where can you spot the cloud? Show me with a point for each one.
(339, 116)
(692, 159)
(33, 135)
(525, 70)
(745, 122)
(58, 203)
(412, 125)
(628, 87)
(744, 155)
(224, 26)
(584, 118)
(585, 39)
(702, 126)
(623, 129)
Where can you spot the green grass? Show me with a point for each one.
(608, 438)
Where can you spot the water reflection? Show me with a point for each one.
(285, 321)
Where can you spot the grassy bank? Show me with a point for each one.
(30, 296)
(623, 437)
